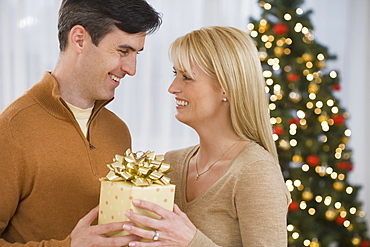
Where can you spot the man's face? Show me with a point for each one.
(102, 67)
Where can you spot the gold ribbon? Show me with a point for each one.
(141, 169)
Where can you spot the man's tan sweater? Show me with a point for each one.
(49, 171)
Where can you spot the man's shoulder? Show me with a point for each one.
(107, 115)
(20, 106)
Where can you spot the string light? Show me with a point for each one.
(305, 168)
(320, 57)
(290, 227)
(333, 74)
(299, 11)
(298, 27)
(347, 132)
(287, 17)
(267, 6)
(295, 235)
(318, 199)
(327, 201)
(349, 190)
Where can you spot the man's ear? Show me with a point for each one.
(78, 36)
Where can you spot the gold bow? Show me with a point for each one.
(141, 169)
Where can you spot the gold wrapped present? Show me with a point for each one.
(134, 176)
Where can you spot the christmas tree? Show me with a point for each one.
(309, 129)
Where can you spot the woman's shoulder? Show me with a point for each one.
(253, 152)
(256, 165)
(179, 154)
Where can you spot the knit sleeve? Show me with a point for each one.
(15, 183)
(201, 240)
(49, 243)
(261, 199)
(10, 177)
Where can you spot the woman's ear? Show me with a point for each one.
(225, 99)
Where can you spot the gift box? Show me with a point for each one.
(134, 176)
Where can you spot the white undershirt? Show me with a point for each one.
(82, 116)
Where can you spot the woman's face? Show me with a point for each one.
(199, 99)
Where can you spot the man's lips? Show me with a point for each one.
(181, 102)
(115, 78)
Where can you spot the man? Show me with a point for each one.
(57, 138)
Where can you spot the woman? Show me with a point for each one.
(229, 187)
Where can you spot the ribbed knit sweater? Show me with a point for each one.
(49, 171)
(247, 206)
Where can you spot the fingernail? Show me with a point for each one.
(131, 244)
(126, 227)
(128, 214)
(136, 202)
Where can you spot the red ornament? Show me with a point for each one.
(340, 220)
(339, 119)
(345, 165)
(293, 206)
(313, 160)
(279, 130)
(293, 77)
(336, 86)
(293, 121)
(365, 243)
(280, 29)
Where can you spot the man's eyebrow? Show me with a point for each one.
(129, 47)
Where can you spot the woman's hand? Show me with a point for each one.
(172, 229)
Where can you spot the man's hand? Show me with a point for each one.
(84, 235)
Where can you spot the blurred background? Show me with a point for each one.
(29, 46)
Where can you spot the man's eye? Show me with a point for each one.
(186, 78)
(124, 52)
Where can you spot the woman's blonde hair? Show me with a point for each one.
(230, 56)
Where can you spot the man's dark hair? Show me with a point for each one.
(99, 16)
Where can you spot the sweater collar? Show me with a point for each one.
(53, 103)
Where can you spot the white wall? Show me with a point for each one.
(344, 27)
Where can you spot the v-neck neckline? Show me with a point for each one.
(186, 169)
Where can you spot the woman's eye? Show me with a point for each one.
(184, 76)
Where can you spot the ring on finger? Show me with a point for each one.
(156, 235)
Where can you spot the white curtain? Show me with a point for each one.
(29, 46)
(344, 27)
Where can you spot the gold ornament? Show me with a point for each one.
(345, 140)
(313, 88)
(323, 118)
(297, 158)
(330, 214)
(356, 241)
(307, 57)
(320, 64)
(314, 244)
(307, 195)
(279, 51)
(338, 186)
